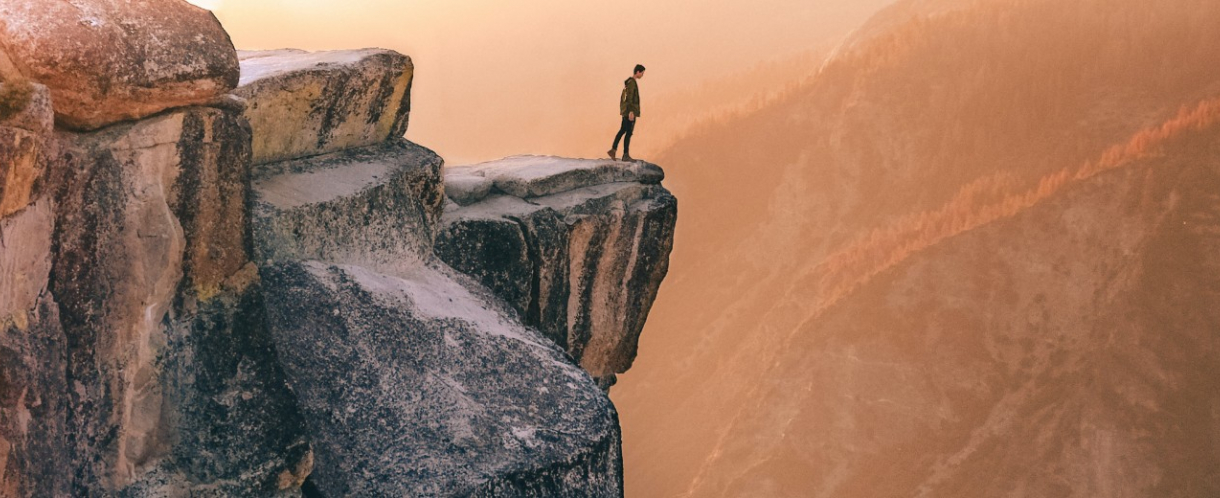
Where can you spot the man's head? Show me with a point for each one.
(639, 71)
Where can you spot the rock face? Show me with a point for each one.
(174, 380)
(333, 100)
(578, 247)
(107, 61)
(421, 387)
(374, 206)
(24, 128)
(425, 384)
(33, 393)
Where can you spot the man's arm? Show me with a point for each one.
(633, 103)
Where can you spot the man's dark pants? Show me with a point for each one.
(626, 129)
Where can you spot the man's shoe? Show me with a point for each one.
(628, 158)
(613, 154)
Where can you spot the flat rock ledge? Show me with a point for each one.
(536, 176)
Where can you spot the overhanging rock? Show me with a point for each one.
(578, 247)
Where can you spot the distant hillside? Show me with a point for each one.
(671, 115)
(767, 365)
(894, 16)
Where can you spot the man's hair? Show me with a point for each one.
(639, 68)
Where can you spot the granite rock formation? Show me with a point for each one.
(334, 100)
(107, 61)
(167, 351)
(425, 384)
(244, 299)
(577, 247)
(421, 387)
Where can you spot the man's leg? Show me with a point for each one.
(622, 129)
(629, 128)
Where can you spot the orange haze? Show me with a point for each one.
(499, 78)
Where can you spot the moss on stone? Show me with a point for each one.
(15, 96)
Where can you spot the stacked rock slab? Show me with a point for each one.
(307, 103)
(578, 247)
(414, 379)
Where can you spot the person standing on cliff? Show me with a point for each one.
(629, 108)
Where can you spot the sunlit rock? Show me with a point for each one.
(26, 121)
(174, 383)
(377, 206)
(107, 61)
(304, 104)
(535, 176)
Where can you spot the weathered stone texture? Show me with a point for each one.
(584, 264)
(517, 249)
(536, 176)
(304, 104)
(151, 263)
(415, 380)
(33, 388)
(423, 387)
(23, 134)
(244, 299)
(107, 61)
(376, 206)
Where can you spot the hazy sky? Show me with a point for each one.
(495, 78)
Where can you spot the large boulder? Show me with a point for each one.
(304, 104)
(419, 384)
(414, 379)
(578, 247)
(176, 388)
(26, 120)
(107, 61)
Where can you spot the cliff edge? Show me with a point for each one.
(269, 292)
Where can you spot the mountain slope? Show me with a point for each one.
(937, 129)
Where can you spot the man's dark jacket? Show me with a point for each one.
(630, 102)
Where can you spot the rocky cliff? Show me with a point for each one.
(214, 287)
(577, 247)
